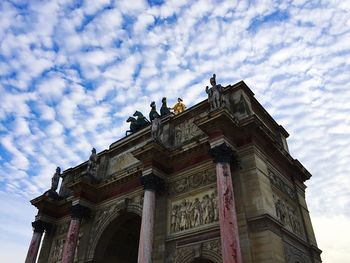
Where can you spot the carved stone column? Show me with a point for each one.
(231, 251)
(39, 227)
(78, 212)
(151, 184)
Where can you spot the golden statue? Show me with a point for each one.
(179, 106)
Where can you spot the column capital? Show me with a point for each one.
(151, 182)
(78, 211)
(40, 226)
(223, 154)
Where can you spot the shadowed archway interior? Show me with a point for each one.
(202, 260)
(120, 241)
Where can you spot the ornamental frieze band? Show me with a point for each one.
(194, 181)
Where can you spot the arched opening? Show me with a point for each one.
(202, 260)
(119, 242)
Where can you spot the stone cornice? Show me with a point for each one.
(255, 125)
(267, 222)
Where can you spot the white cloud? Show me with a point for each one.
(72, 74)
(333, 237)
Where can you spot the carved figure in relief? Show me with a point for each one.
(287, 215)
(55, 179)
(214, 94)
(214, 199)
(189, 216)
(197, 213)
(183, 216)
(206, 207)
(174, 218)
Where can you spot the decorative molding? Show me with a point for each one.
(210, 249)
(223, 154)
(193, 212)
(152, 182)
(281, 185)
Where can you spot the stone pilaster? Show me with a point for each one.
(223, 156)
(151, 184)
(39, 227)
(78, 212)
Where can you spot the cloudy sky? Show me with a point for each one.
(71, 72)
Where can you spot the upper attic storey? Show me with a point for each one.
(231, 112)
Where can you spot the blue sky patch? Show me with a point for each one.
(274, 18)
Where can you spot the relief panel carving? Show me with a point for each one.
(281, 185)
(288, 215)
(194, 211)
(186, 131)
(58, 243)
(187, 183)
(120, 162)
(56, 250)
(295, 255)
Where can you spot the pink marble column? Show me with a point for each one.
(39, 227)
(151, 184)
(230, 248)
(70, 245)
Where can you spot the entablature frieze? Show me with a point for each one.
(192, 179)
(281, 184)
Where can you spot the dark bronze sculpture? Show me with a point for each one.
(133, 125)
(137, 124)
(164, 110)
(51, 193)
(141, 120)
(153, 113)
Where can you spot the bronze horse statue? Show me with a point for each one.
(137, 124)
(133, 125)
